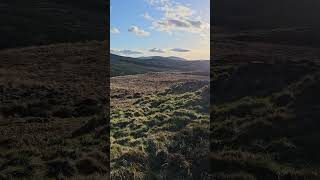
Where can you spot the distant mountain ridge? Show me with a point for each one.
(121, 65)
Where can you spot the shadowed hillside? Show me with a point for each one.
(53, 123)
(279, 21)
(265, 108)
(38, 22)
(253, 14)
(53, 98)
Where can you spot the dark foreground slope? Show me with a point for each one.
(265, 109)
(52, 112)
(258, 14)
(278, 21)
(121, 65)
(38, 22)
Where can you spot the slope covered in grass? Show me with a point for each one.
(53, 123)
(162, 135)
(42, 22)
(265, 111)
(251, 14)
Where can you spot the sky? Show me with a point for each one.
(160, 28)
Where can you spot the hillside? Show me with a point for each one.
(253, 14)
(265, 107)
(291, 22)
(53, 123)
(53, 115)
(159, 126)
(159, 119)
(41, 22)
(121, 65)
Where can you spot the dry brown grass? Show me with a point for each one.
(149, 83)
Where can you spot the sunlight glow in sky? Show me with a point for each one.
(161, 28)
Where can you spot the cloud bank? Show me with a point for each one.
(138, 31)
(177, 17)
(124, 52)
(180, 50)
(156, 50)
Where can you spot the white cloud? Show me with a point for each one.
(176, 11)
(147, 16)
(156, 50)
(158, 2)
(177, 17)
(114, 30)
(138, 31)
(180, 50)
(124, 52)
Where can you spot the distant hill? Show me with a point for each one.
(121, 65)
(42, 22)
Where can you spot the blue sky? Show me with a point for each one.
(160, 28)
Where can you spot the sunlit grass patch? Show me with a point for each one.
(143, 134)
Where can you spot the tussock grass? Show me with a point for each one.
(269, 133)
(152, 138)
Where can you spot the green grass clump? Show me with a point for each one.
(152, 140)
(270, 133)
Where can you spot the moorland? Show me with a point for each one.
(53, 98)
(159, 126)
(53, 118)
(265, 105)
(265, 84)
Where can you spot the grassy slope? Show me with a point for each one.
(265, 114)
(159, 132)
(162, 135)
(38, 22)
(53, 97)
(52, 120)
(251, 14)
